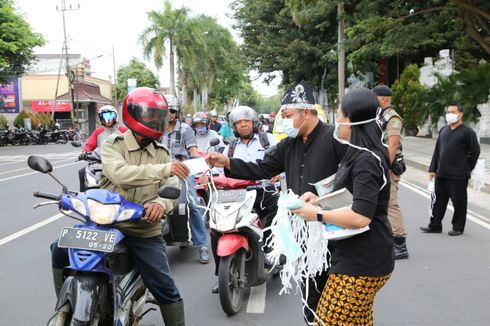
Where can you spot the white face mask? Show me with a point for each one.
(343, 141)
(451, 118)
(288, 127)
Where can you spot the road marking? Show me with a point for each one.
(472, 216)
(256, 300)
(27, 168)
(30, 173)
(30, 229)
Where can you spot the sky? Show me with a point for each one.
(98, 25)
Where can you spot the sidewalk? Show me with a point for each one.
(418, 153)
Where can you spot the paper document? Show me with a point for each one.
(196, 165)
(337, 199)
(334, 232)
(324, 186)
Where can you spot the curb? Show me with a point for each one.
(425, 168)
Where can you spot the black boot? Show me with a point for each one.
(173, 314)
(400, 248)
(57, 279)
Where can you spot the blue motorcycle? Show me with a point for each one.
(101, 284)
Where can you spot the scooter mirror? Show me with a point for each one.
(214, 142)
(39, 164)
(76, 144)
(169, 192)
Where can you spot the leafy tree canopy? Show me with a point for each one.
(138, 70)
(17, 42)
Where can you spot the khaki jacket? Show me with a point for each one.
(136, 174)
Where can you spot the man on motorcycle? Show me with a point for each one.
(179, 139)
(250, 146)
(108, 120)
(203, 134)
(135, 165)
(214, 124)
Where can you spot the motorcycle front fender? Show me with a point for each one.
(85, 293)
(230, 243)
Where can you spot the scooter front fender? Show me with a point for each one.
(85, 293)
(229, 243)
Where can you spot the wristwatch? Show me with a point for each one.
(319, 216)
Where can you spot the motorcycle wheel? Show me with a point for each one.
(230, 287)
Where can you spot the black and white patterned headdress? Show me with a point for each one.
(299, 97)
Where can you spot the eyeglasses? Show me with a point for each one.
(173, 111)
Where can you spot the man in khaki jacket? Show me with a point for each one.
(135, 165)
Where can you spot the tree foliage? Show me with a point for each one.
(138, 70)
(17, 42)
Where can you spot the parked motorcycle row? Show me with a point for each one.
(22, 136)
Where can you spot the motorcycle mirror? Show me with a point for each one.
(39, 164)
(214, 142)
(76, 144)
(169, 192)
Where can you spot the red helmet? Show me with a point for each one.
(145, 111)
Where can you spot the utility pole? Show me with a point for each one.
(341, 58)
(115, 77)
(68, 70)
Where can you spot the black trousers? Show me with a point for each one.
(266, 207)
(456, 190)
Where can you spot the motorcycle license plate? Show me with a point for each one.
(87, 239)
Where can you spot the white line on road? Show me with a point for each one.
(30, 229)
(472, 216)
(256, 301)
(25, 174)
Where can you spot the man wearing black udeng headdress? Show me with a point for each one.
(309, 154)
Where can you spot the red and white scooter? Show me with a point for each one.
(240, 240)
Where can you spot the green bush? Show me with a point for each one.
(19, 119)
(3, 121)
(408, 97)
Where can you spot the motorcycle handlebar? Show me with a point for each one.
(45, 195)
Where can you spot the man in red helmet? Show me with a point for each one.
(135, 165)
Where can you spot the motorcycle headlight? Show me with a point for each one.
(126, 214)
(78, 206)
(102, 214)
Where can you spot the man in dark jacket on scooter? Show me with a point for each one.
(135, 165)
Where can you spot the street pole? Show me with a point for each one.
(341, 61)
(115, 77)
(68, 71)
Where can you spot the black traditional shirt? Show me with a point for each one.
(304, 162)
(456, 153)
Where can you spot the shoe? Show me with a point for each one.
(215, 287)
(400, 248)
(454, 232)
(428, 229)
(204, 255)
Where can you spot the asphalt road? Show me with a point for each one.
(446, 280)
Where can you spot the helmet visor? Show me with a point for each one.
(108, 117)
(153, 118)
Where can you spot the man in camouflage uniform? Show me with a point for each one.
(392, 125)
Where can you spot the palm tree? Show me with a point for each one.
(166, 25)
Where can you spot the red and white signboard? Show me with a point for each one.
(47, 106)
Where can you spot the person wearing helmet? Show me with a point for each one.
(204, 135)
(250, 145)
(213, 123)
(135, 165)
(226, 131)
(108, 119)
(180, 139)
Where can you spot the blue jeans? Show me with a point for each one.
(150, 258)
(196, 222)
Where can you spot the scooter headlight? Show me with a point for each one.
(78, 206)
(102, 214)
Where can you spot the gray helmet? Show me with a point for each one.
(243, 113)
(200, 117)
